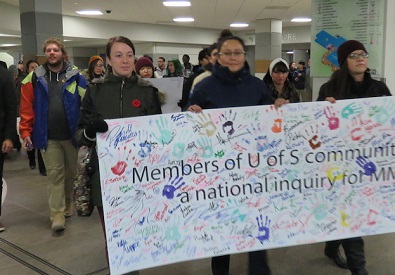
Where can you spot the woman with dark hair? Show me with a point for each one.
(95, 68)
(276, 80)
(145, 68)
(232, 85)
(120, 94)
(352, 80)
(174, 68)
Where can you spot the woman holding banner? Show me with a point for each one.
(121, 94)
(232, 85)
(351, 81)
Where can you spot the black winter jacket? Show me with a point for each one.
(111, 98)
(7, 106)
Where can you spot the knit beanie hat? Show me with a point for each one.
(93, 58)
(348, 47)
(274, 62)
(143, 62)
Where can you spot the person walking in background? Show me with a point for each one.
(31, 65)
(308, 84)
(299, 79)
(208, 67)
(120, 87)
(232, 85)
(204, 60)
(161, 68)
(50, 105)
(352, 80)
(7, 121)
(276, 80)
(292, 69)
(174, 68)
(188, 67)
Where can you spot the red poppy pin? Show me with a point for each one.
(136, 103)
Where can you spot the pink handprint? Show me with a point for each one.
(331, 116)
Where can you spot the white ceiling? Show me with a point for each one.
(211, 14)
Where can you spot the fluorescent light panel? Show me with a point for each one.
(301, 19)
(239, 25)
(183, 19)
(90, 12)
(177, 3)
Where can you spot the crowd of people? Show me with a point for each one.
(80, 102)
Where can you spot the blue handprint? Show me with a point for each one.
(263, 229)
(368, 167)
(171, 187)
(145, 149)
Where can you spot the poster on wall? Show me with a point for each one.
(186, 186)
(334, 22)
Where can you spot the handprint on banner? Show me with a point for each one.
(166, 133)
(356, 129)
(318, 207)
(145, 149)
(277, 122)
(172, 186)
(178, 148)
(261, 140)
(227, 122)
(344, 219)
(333, 120)
(351, 109)
(172, 233)
(120, 167)
(368, 167)
(207, 125)
(311, 135)
(206, 147)
(263, 229)
(386, 112)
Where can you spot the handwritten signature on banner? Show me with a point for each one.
(185, 186)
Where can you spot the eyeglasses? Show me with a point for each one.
(229, 54)
(99, 65)
(358, 55)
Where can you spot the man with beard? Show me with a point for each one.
(49, 110)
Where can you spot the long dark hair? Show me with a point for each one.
(341, 82)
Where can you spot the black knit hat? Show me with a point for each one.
(348, 47)
(143, 62)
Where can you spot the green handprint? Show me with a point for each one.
(206, 146)
(166, 134)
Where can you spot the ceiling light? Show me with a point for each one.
(239, 25)
(177, 3)
(90, 12)
(301, 19)
(290, 52)
(183, 19)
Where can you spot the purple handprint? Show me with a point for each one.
(330, 114)
(171, 187)
(368, 167)
(263, 229)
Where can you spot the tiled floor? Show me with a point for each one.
(28, 246)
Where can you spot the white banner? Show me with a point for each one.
(185, 186)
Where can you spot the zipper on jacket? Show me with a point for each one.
(121, 101)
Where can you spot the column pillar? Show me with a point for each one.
(40, 19)
(268, 42)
